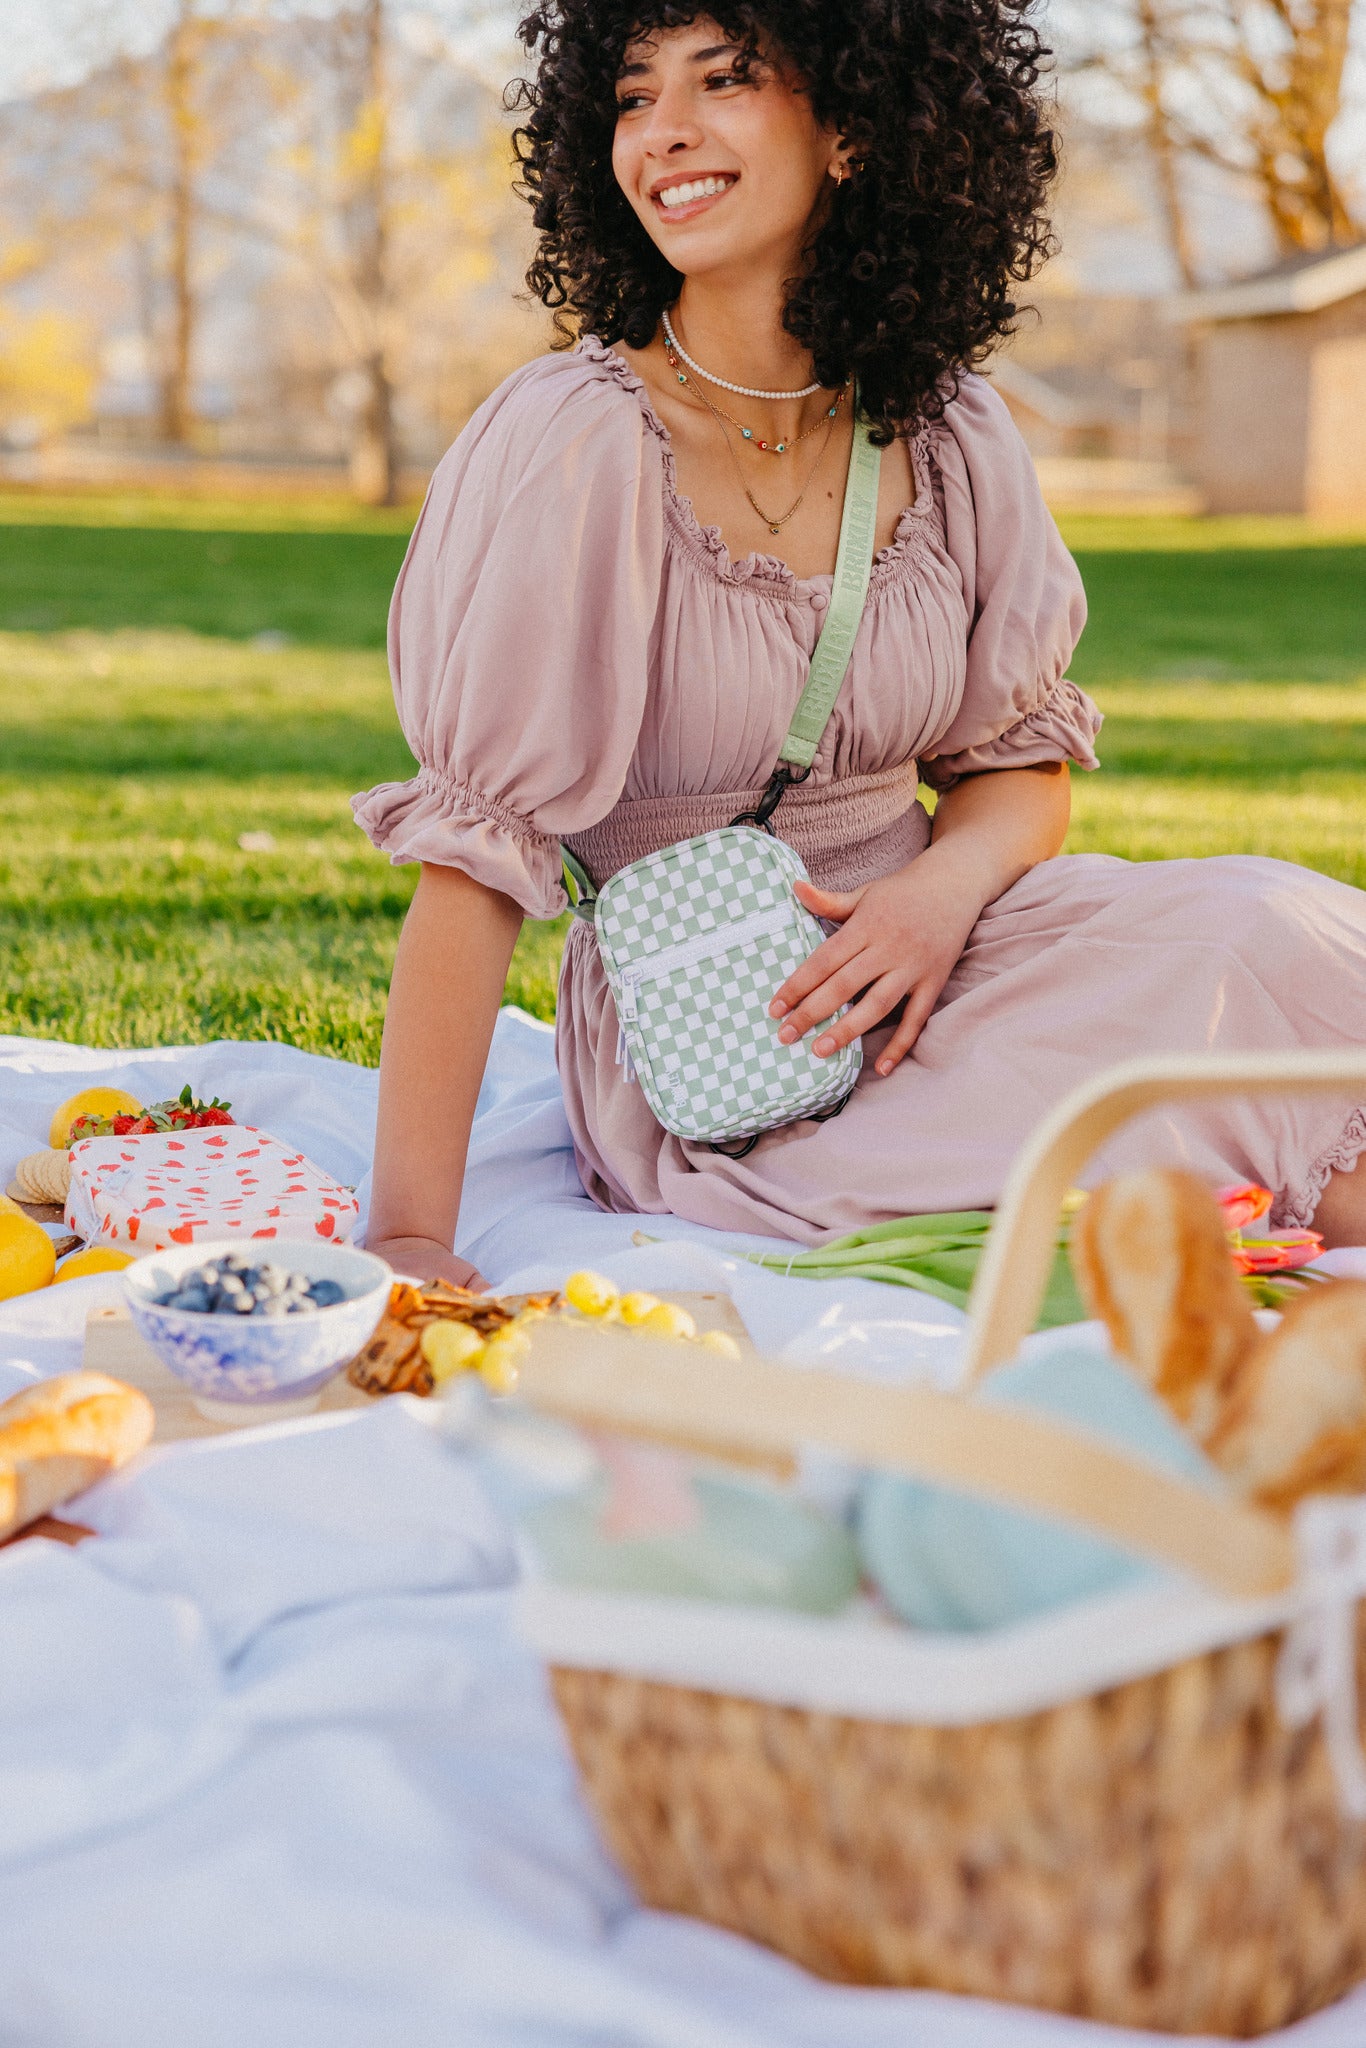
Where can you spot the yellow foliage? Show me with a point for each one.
(363, 147)
(46, 372)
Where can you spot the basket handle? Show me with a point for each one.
(754, 1410)
(1019, 1251)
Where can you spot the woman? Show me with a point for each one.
(610, 601)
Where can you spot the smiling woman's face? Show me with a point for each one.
(724, 171)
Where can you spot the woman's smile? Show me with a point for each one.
(680, 199)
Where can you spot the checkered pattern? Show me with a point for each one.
(705, 1050)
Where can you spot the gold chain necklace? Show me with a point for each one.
(773, 525)
(748, 433)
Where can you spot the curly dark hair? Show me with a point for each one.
(910, 277)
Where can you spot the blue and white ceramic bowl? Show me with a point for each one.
(252, 1360)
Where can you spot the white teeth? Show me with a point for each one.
(699, 188)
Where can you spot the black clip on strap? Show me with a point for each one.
(779, 782)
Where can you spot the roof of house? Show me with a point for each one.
(1043, 399)
(1303, 284)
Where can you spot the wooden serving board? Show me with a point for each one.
(113, 1346)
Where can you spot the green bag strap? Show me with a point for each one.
(853, 566)
(829, 661)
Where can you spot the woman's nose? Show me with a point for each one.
(673, 123)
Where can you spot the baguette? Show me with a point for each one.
(1282, 1413)
(60, 1436)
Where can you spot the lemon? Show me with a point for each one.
(450, 1348)
(667, 1320)
(90, 1102)
(7, 1205)
(721, 1342)
(97, 1259)
(27, 1259)
(590, 1293)
(633, 1308)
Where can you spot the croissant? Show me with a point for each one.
(1282, 1413)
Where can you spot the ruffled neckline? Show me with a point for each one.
(761, 570)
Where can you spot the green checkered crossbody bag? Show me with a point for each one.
(697, 938)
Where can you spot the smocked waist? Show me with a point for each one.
(848, 832)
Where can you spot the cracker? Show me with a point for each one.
(44, 1177)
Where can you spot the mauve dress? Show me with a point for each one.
(575, 658)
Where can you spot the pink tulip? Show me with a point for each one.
(1243, 1204)
(1279, 1252)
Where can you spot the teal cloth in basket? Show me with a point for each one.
(946, 1561)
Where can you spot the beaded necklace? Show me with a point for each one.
(774, 524)
(748, 433)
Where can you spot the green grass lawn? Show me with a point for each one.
(146, 731)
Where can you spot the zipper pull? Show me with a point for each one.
(624, 1056)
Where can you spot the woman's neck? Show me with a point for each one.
(737, 332)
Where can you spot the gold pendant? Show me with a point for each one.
(773, 529)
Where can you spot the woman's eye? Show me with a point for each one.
(629, 101)
(718, 80)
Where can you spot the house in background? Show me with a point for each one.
(1281, 406)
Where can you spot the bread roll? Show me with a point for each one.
(60, 1436)
(1283, 1414)
(1151, 1255)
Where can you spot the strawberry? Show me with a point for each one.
(183, 1112)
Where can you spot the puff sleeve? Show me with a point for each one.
(1026, 606)
(519, 632)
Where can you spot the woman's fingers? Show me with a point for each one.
(837, 907)
(914, 1018)
(835, 989)
(815, 971)
(884, 995)
(832, 903)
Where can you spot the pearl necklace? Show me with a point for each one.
(740, 390)
(748, 433)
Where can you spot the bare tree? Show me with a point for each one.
(367, 201)
(1152, 84)
(1253, 87)
(394, 199)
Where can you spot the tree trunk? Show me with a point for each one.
(374, 463)
(177, 399)
(374, 452)
(1162, 142)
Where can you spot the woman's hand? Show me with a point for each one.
(900, 937)
(423, 1258)
(898, 941)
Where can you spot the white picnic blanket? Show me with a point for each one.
(273, 1766)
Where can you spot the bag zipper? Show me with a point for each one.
(758, 925)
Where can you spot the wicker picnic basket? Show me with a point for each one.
(1164, 1852)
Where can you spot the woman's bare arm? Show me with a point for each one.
(899, 938)
(453, 956)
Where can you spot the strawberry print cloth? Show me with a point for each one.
(149, 1193)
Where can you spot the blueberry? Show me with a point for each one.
(326, 1293)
